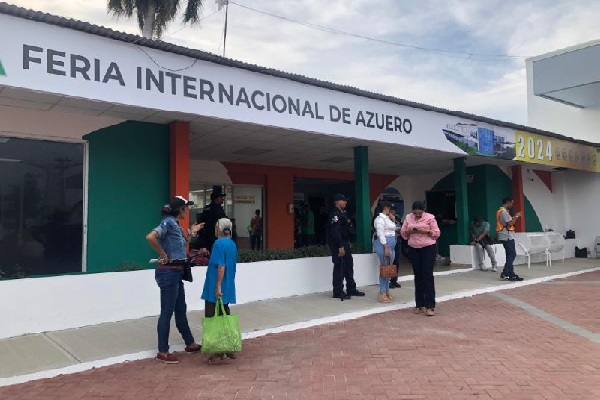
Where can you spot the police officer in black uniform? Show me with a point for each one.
(339, 244)
(210, 215)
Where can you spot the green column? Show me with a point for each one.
(363, 203)
(462, 209)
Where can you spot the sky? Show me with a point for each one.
(466, 75)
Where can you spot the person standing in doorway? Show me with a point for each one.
(321, 226)
(505, 228)
(421, 230)
(256, 228)
(169, 241)
(210, 215)
(396, 220)
(338, 239)
(481, 240)
(308, 226)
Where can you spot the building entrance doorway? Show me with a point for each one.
(313, 201)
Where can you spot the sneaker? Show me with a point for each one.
(193, 348)
(515, 278)
(356, 293)
(503, 277)
(485, 269)
(494, 269)
(342, 296)
(419, 310)
(430, 312)
(167, 358)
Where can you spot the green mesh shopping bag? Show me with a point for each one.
(221, 333)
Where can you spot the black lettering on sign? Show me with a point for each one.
(113, 73)
(243, 98)
(388, 123)
(226, 93)
(307, 110)
(52, 62)
(294, 106)
(28, 58)
(317, 115)
(346, 115)
(206, 89)
(189, 87)
(334, 113)
(76, 66)
(153, 80)
(360, 119)
(398, 124)
(259, 107)
(407, 125)
(370, 119)
(173, 78)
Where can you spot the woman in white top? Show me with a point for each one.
(384, 244)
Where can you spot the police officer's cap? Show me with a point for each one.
(215, 195)
(339, 196)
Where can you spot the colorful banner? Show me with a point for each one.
(481, 139)
(538, 149)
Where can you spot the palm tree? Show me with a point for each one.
(154, 15)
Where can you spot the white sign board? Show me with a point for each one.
(63, 61)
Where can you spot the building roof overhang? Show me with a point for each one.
(569, 76)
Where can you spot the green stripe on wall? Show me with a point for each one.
(484, 197)
(128, 183)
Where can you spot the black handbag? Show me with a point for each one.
(485, 241)
(187, 272)
(581, 253)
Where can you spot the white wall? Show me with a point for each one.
(570, 205)
(34, 305)
(582, 196)
(556, 117)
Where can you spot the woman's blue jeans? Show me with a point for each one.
(384, 283)
(172, 300)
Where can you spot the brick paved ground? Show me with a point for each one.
(476, 348)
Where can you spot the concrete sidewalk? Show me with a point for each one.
(49, 354)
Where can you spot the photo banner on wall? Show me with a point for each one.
(481, 139)
(543, 150)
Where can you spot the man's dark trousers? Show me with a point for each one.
(511, 254)
(341, 272)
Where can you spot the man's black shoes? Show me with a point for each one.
(342, 296)
(514, 278)
(356, 293)
(394, 285)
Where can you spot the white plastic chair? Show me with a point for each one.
(557, 244)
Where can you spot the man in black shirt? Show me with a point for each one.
(210, 215)
(339, 244)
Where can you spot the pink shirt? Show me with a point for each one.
(420, 240)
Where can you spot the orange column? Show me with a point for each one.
(279, 222)
(518, 196)
(180, 161)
